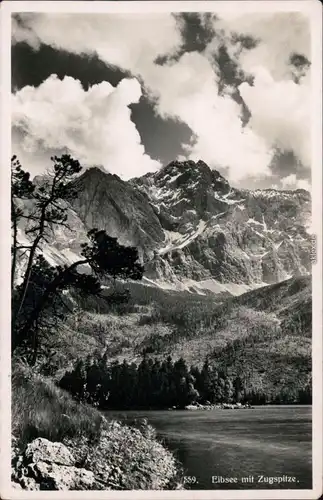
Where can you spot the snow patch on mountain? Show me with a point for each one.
(177, 240)
(192, 230)
(202, 287)
(227, 200)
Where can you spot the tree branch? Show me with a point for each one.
(52, 287)
(21, 247)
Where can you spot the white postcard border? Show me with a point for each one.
(313, 9)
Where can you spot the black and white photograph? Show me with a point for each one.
(163, 268)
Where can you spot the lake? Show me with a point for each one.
(237, 445)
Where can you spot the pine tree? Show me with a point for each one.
(228, 390)
(21, 189)
(209, 382)
(238, 389)
(103, 254)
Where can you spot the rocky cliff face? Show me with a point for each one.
(106, 202)
(193, 230)
(216, 232)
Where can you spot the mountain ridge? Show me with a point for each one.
(227, 274)
(192, 229)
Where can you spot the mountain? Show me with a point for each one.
(273, 319)
(226, 273)
(192, 229)
(106, 202)
(272, 351)
(264, 336)
(214, 232)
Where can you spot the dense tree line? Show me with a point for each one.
(161, 384)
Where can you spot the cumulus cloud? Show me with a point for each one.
(94, 126)
(280, 109)
(130, 41)
(22, 32)
(278, 36)
(291, 182)
(186, 88)
(280, 113)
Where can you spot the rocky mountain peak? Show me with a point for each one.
(97, 172)
(192, 228)
(190, 175)
(182, 188)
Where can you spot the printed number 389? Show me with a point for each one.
(189, 480)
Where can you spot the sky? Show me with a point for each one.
(132, 92)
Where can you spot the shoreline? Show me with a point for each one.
(202, 407)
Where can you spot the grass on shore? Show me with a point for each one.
(40, 409)
(120, 457)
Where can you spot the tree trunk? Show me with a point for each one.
(31, 261)
(26, 278)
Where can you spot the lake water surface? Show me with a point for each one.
(264, 441)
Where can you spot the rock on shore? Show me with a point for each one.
(223, 406)
(121, 458)
(45, 465)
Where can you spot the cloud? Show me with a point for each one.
(22, 32)
(187, 88)
(279, 35)
(128, 41)
(291, 182)
(279, 108)
(280, 113)
(94, 126)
